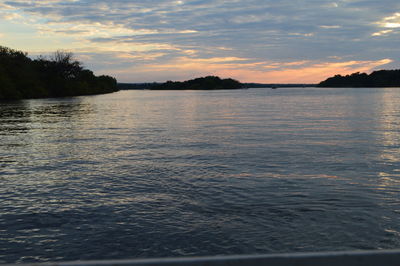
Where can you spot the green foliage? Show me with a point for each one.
(58, 76)
(381, 78)
(204, 83)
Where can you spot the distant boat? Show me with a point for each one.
(274, 87)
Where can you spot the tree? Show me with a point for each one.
(203, 83)
(56, 76)
(381, 78)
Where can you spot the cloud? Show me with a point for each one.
(382, 32)
(243, 69)
(391, 22)
(308, 73)
(9, 15)
(330, 27)
(264, 36)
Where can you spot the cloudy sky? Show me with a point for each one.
(285, 41)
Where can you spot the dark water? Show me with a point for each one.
(152, 174)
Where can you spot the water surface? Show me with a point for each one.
(189, 173)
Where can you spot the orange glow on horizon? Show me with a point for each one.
(244, 71)
(310, 74)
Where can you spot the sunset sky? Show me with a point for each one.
(285, 41)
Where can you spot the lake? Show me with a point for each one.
(139, 174)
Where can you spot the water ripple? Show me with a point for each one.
(150, 174)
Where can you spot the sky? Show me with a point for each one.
(266, 41)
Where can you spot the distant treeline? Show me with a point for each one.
(148, 86)
(135, 86)
(381, 78)
(57, 76)
(277, 85)
(204, 83)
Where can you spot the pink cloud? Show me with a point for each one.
(245, 71)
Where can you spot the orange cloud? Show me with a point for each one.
(263, 72)
(309, 74)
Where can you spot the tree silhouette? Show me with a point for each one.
(381, 78)
(204, 83)
(56, 76)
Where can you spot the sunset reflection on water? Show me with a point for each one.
(172, 173)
